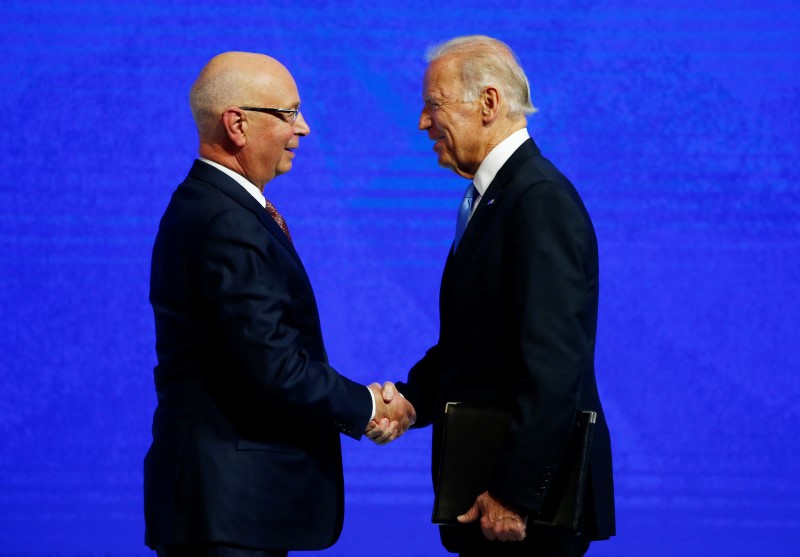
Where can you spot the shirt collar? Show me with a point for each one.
(496, 158)
(250, 187)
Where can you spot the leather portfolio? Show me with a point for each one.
(472, 440)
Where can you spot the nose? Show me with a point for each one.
(425, 121)
(301, 126)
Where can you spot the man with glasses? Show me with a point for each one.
(245, 459)
(518, 306)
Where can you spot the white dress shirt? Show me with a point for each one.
(495, 160)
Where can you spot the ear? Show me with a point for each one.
(490, 104)
(235, 125)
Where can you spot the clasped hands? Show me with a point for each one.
(393, 414)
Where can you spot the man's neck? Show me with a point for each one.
(501, 132)
(217, 154)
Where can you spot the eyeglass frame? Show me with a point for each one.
(295, 112)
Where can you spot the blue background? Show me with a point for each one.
(678, 121)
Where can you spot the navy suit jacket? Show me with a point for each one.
(518, 315)
(246, 433)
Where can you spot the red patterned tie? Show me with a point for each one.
(276, 216)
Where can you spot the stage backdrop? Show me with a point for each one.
(679, 123)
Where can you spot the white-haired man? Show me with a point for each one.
(518, 305)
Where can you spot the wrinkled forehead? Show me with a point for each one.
(442, 79)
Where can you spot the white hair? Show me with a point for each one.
(486, 61)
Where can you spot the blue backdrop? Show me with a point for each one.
(678, 121)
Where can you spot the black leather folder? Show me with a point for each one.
(472, 440)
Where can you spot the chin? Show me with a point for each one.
(283, 169)
(447, 163)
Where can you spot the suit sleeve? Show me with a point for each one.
(549, 294)
(420, 387)
(255, 289)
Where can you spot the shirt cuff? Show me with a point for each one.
(372, 398)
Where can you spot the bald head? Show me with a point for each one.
(232, 79)
(229, 101)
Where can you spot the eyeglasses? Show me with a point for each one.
(291, 119)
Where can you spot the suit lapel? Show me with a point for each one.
(490, 203)
(226, 184)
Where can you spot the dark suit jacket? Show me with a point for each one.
(518, 315)
(246, 433)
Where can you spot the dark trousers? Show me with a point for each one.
(215, 550)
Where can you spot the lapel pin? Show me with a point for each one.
(490, 201)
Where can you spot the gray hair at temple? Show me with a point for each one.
(486, 61)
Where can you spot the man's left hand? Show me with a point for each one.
(498, 521)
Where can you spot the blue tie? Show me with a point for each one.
(464, 211)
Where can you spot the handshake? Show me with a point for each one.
(393, 414)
